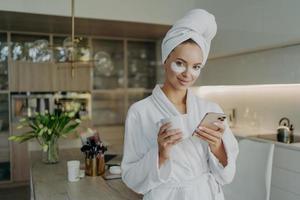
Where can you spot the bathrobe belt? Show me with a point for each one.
(204, 178)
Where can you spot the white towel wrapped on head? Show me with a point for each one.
(198, 25)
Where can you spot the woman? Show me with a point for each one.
(157, 162)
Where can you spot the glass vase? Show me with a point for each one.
(50, 154)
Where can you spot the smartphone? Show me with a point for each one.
(212, 117)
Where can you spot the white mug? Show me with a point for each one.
(177, 122)
(73, 170)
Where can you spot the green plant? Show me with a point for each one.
(47, 127)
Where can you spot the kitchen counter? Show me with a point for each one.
(49, 181)
(292, 146)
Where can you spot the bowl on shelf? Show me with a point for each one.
(103, 63)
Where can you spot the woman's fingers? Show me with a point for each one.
(209, 132)
(164, 127)
(172, 140)
(173, 137)
(166, 137)
(176, 141)
(207, 140)
(170, 137)
(220, 127)
(209, 135)
(170, 133)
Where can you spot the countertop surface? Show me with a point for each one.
(49, 181)
(257, 136)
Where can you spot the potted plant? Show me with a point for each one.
(47, 128)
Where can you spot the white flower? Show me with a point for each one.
(71, 114)
(20, 126)
(73, 106)
(41, 132)
(90, 130)
(22, 120)
(45, 147)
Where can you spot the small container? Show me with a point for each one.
(95, 166)
(101, 164)
(91, 166)
(73, 170)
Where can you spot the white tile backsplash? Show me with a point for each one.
(258, 107)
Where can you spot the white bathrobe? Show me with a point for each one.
(192, 172)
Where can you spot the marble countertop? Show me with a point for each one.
(50, 181)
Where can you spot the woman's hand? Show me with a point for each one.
(166, 139)
(213, 135)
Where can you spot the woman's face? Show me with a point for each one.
(183, 66)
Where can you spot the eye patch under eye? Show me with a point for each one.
(195, 72)
(177, 68)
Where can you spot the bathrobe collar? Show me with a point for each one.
(164, 103)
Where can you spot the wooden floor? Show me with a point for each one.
(17, 193)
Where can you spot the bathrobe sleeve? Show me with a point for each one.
(140, 165)
(224, 175)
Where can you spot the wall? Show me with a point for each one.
(279, 65)
(258, 107)
(154, 11)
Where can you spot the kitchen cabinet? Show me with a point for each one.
(35, 66)
(141, 62)
(285, 181)
(257, 43)
(127, 73)
(245, 26)
(276, 66)
(49, 76)
(108, 108)
(116, 72)
(5, 150)
(80, 82)
(64, 79)
(3, 61)
(20, 157)
(109, 70)
(135, 95)
(286, 174)
(27, 76)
